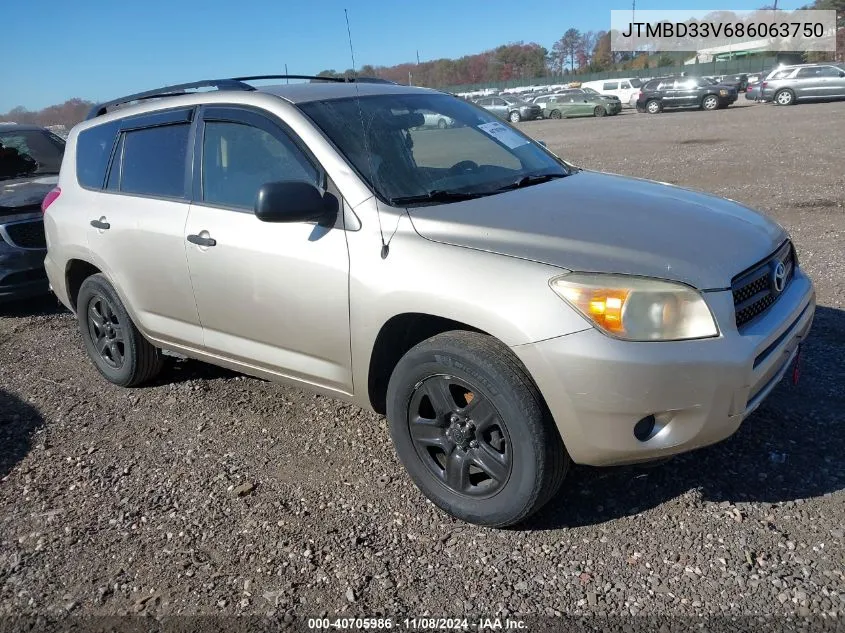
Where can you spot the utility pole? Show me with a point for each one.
(287, 81)
(409, 78)
(418, 58)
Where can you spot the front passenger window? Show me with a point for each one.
(237, 159)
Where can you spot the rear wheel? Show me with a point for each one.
(115, 346)
(653, 106)
(599, 111)
(784, 97)
(710, 102)
(472, 430)
(514, 117)
(554, 114)
(442, 124)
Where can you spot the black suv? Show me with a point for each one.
(684, 92)
(30, 157)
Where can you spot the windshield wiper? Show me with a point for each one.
(436, 195)
(530, 179)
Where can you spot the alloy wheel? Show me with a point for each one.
(460, 436)
(106, 331)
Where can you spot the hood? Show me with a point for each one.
(597, 222)
(24, 195)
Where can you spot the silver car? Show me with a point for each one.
(508, 311)
(805, 82)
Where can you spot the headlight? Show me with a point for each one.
(636, 308)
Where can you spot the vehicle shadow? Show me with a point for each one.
(19, 422)
(42, 305)
(791, 448)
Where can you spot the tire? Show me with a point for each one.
(599, 111)
(514, 117)
(653, 106)
(442, 124)
(710, 102)
(127, 359)
(467, 374)
(784, 97)
(554, 114)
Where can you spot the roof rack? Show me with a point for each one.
(236, 83)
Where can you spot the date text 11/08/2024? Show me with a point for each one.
(417, 624)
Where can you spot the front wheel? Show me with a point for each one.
(514, 117)
(710, 102)
(599, 111)
(442, 124)
(472, 430)
(114, 344)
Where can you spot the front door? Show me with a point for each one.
(270, 295)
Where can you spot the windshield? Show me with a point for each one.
(408, 153)
(590, 91)
(29, 152)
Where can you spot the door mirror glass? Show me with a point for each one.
(292, 201)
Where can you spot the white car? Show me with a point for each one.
(626, 88)
(433, 119)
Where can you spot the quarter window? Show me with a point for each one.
(154, 161)
(237, 159)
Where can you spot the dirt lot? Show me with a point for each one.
(212, 493)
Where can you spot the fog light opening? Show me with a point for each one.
(645, 429)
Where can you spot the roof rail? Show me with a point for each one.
(236, 83)
(168, 91)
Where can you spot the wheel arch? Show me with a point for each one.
(398, 335)
(76, 272)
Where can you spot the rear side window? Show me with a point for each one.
(653, 84)
(611, 85)
(154, 161)
(93, 150)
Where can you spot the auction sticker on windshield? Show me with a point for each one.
(503, 134)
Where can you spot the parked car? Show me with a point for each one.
(434, 119)
(684, 92)
(576, 103)
(30, 157)
(805, 82)
(740, 82)
(509, 311)
(625, 89)
(511, 108)
(752, 93)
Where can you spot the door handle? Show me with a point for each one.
(202, 241)
(100, 224)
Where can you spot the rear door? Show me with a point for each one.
(136, 226)
(809, 82)
(270, 295)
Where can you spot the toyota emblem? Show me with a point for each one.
(779, 277)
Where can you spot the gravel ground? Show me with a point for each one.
(216, 494)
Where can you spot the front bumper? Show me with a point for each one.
(699, 392)
(21, 272)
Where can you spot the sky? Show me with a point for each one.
(53, 50)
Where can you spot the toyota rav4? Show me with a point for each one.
(509, 312)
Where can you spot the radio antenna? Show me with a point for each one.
(385, 248)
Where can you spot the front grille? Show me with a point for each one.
(754, 290)
(27, 234)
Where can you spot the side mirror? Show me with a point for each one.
(290, 201)
(842, 73)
